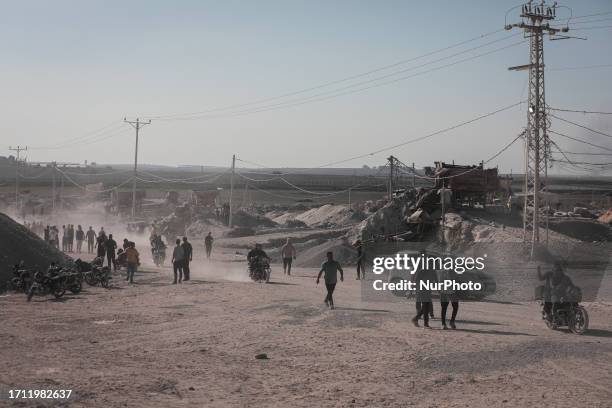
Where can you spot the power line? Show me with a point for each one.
(588, 154)
(581, 126)
(580, 68)
(205, 177)
(583, 163)
(86, 138)
(592, 15)
(580, 111)
(347, 89)
(418, 139)
(490, 159)
(580, 140)
(329, 83)
(85, 188)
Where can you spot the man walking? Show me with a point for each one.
(111, 246)
(208, 242)
(188, 254)
(288, 254)
(70, 237)
(64, 239)
(80, 236)
(448, 296)
(133, 260)
(178, 257)
(331, 268)
(360, 269)
(91, 239)
(424, 305)
(54, 237)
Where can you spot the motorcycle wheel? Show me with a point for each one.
(59, 292)
(579, 320)
(76, 288)
(91, 279)
(104, 282)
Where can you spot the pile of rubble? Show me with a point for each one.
(175, 224)
(20, 244)
(408, 215)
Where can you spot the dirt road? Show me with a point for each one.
(159, 345)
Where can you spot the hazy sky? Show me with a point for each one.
(72, 67)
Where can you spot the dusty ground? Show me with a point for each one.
(158, 345)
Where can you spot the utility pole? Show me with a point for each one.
(136, 125)
(391, 169)
(53, 186)
(535, 23)
(62, 191)
(349, 198)
(230, 220)
(18, 150)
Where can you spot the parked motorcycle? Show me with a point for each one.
(73, 280)
(51, 282)
(22, 278)
(259, 269)
(94, 273)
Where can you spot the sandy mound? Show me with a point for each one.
(314, 256)
(18, 243)
(330, 215)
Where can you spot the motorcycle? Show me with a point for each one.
(567, 313)
(95, 273)
(570, 314)
(48, 283)
(22, 278)
(73, 280)
(259, 269)
(159, 255)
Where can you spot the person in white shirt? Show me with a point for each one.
(288, 254)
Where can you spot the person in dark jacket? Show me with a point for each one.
(80, 237)
(111, 246)
(100, 246)
(188, 254)
(422, 278)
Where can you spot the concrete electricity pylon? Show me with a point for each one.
(137, 124)
(535, 23)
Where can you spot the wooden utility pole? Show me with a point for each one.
(53, 186)
(18, 150)
(231, 208)
(136, 125)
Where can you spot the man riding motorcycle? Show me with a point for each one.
(158, 249)
(556, 290)
(257, 254)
